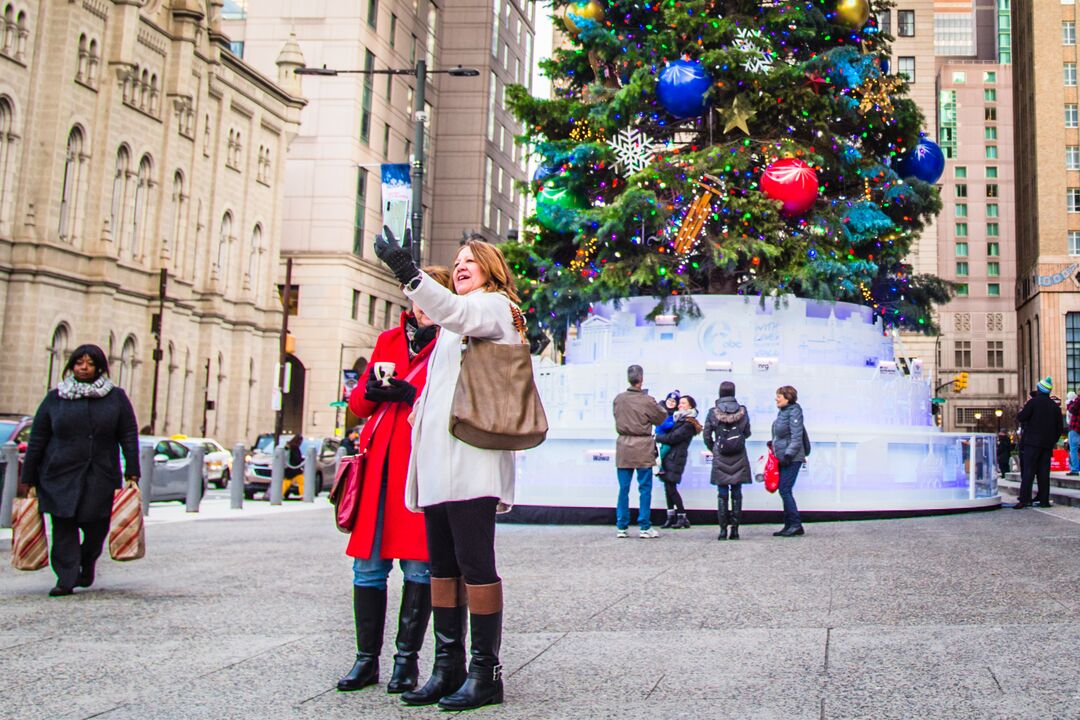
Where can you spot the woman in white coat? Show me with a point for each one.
(459, 487)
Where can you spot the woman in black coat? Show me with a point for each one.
(73, 459)
(674, 463)
(727, 427)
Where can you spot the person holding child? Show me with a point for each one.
(676, 440)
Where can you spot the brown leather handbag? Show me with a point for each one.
(496, 404)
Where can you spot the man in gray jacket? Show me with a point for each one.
(635, 415)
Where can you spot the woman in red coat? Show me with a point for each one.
(385, 529)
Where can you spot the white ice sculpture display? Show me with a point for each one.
(875, 446)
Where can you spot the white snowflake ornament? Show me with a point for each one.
(634, 150)
(747, 40)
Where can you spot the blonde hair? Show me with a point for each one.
(493, 262)
(440, 274)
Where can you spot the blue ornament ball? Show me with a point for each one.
(681, 88)
(925, 161)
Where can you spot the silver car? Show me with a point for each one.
(217, 460)
(170, 471)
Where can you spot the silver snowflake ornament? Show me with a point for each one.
(747, 41)
(634, 150)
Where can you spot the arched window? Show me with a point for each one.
(121, 179)
(24, 34)
(9, 43)
(141, 216)
(92, 64)
(125, 378)
(84, 58)
(71, 190)
(58, 352)
(224, 238)
(144, 89)
(7, 162)
(206, 137)
(178, 201)
(251, 276)
(153, 95)
(236, 151)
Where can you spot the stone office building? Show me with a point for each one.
(133, 142)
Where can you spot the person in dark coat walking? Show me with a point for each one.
(789, 446)
(677, 440)
(73, 460)
(1042, 425)
(1004, 452)
(727, 427)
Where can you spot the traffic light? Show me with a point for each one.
(960, 382)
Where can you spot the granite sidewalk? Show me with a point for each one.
(968, 616)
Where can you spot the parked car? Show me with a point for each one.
(217, 460)
(258, 469)
(170, 474)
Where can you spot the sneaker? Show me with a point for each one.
(650, 533)
(622, 534)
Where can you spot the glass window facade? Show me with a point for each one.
(1074, 242)
(905, 68)
(1072, 348)
(905, 23)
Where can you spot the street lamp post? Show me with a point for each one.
(997, 414)
(978, 418)
(420, 72)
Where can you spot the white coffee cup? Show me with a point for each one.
(384, 371)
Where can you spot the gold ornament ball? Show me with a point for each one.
(591, 10)
(853, 13)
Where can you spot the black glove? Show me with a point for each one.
(397, 257)
(397, 391)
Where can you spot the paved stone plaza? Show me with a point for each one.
(971, 616)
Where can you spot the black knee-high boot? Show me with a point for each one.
(722, 515)
(736, 515)
(369, 612)
(483, 685)
(412, 625)
(449, 613)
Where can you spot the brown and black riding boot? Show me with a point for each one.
(369, 613)
(412, 625)
(449, 611)
(483, 685)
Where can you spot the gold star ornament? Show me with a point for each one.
(737, 116)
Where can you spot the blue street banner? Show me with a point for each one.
(396, 197)
(350, 379)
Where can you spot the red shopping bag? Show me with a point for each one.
(772, 473)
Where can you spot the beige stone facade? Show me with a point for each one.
(132, 142)
(355, 122)
(1047, 193)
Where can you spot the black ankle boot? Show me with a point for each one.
(722, 516)
(736, 516)
(483, 685)
(670, 522)
(369, 612)
(448, 672)
(681, 522)
(412, 625)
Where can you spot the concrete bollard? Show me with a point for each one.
(11, 482)
(237, 475)
(277, 475)
(309, 473)
(146, 482)
(195, 479)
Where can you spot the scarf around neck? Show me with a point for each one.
(71, 389)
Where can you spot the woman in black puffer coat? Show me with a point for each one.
(674, 463)
(727, 427)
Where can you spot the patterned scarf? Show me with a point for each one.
(71, 389)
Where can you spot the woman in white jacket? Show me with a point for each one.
(459, 487)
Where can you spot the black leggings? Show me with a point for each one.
(674, 499)
(461, 540)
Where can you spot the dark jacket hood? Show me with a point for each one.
(728, 410)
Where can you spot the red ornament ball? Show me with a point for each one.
(792, 182)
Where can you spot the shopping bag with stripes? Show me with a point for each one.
(29, 546)
(127, 538)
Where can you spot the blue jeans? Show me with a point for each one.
(1074, 451)
(372, 573)
(622, 507)
(788, 475)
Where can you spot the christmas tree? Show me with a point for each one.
(725, 146)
